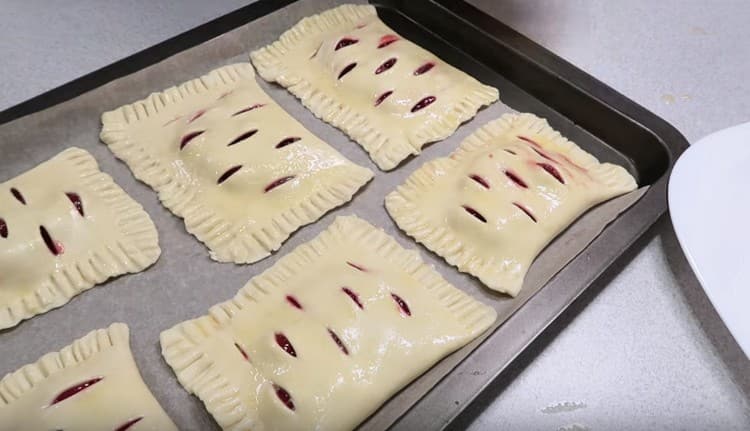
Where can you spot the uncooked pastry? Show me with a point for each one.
(325, 336)
(64, 228)
(90, 385)
(502, 196)
(386, 93)
(224, 156)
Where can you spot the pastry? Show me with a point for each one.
(90, 385)
(225, 157)
(386, 93)
(502, 196)
(65, 227)
(325, 336)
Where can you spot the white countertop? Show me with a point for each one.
(646, 351)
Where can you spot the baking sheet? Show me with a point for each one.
(184, 283)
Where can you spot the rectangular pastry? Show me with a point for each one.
(502, 196)
(65, 227)
(225, 157)
(385, 92)
(90, 385)
(325, 336)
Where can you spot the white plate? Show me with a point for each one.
(709, 202)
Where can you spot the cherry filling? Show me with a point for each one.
(229, 172)
(382, 97)
(16, 194)
(343, 43)
(356, 266)
(479, 180)
(529, 140)
(354, 297)
(287, 141)
(54, 247)
(386, 65)
(293, 301)
(74, 390)
(347, 69)
(242, 352)
(242, 137)
(552, 171)
(423, 103)
(516, 179)
(128, 424)
(285, 344)
(284, 396)
(525, 211)
(196, 116)
(543, 154)
(424, 68)
(189, 137)
(474, 213)
(401, 304)
(387, 40)
(3, 228)
(248, 109)
(338, 341)
(277, 183)
(77, 202)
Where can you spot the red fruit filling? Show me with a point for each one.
(354, 297)
(293, 301)
(277, 183)
(189, 137)
(3, 228)
(284, 396)
(285, 344)
(474, 213)
(387, 40)
(18, 195)
(479, 180)
(386, 65)
(229, 172)
(382, 97)
(543, 154)
(516, 179)
(423, 103)
(343, 43)
(196, 116)
(529, 140)
(128, 424)
(552, 171)
(77, 202)
(242, 352)
(54, 247)
(287, 141)
(401, 304)
(347, 69)
(248, 109)
(525, 210)
(356, 266)
(338, 341)
(74, 390)
(242, 137)
(424, 68)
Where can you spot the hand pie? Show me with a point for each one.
(386, 93)
(65, 227)
(325, 336)
(225, 157)
(502, 196)
(90, 385)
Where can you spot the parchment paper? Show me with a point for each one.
(184, 283)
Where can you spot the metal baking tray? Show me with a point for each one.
(184, 283)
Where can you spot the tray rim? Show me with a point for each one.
(614, 240)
